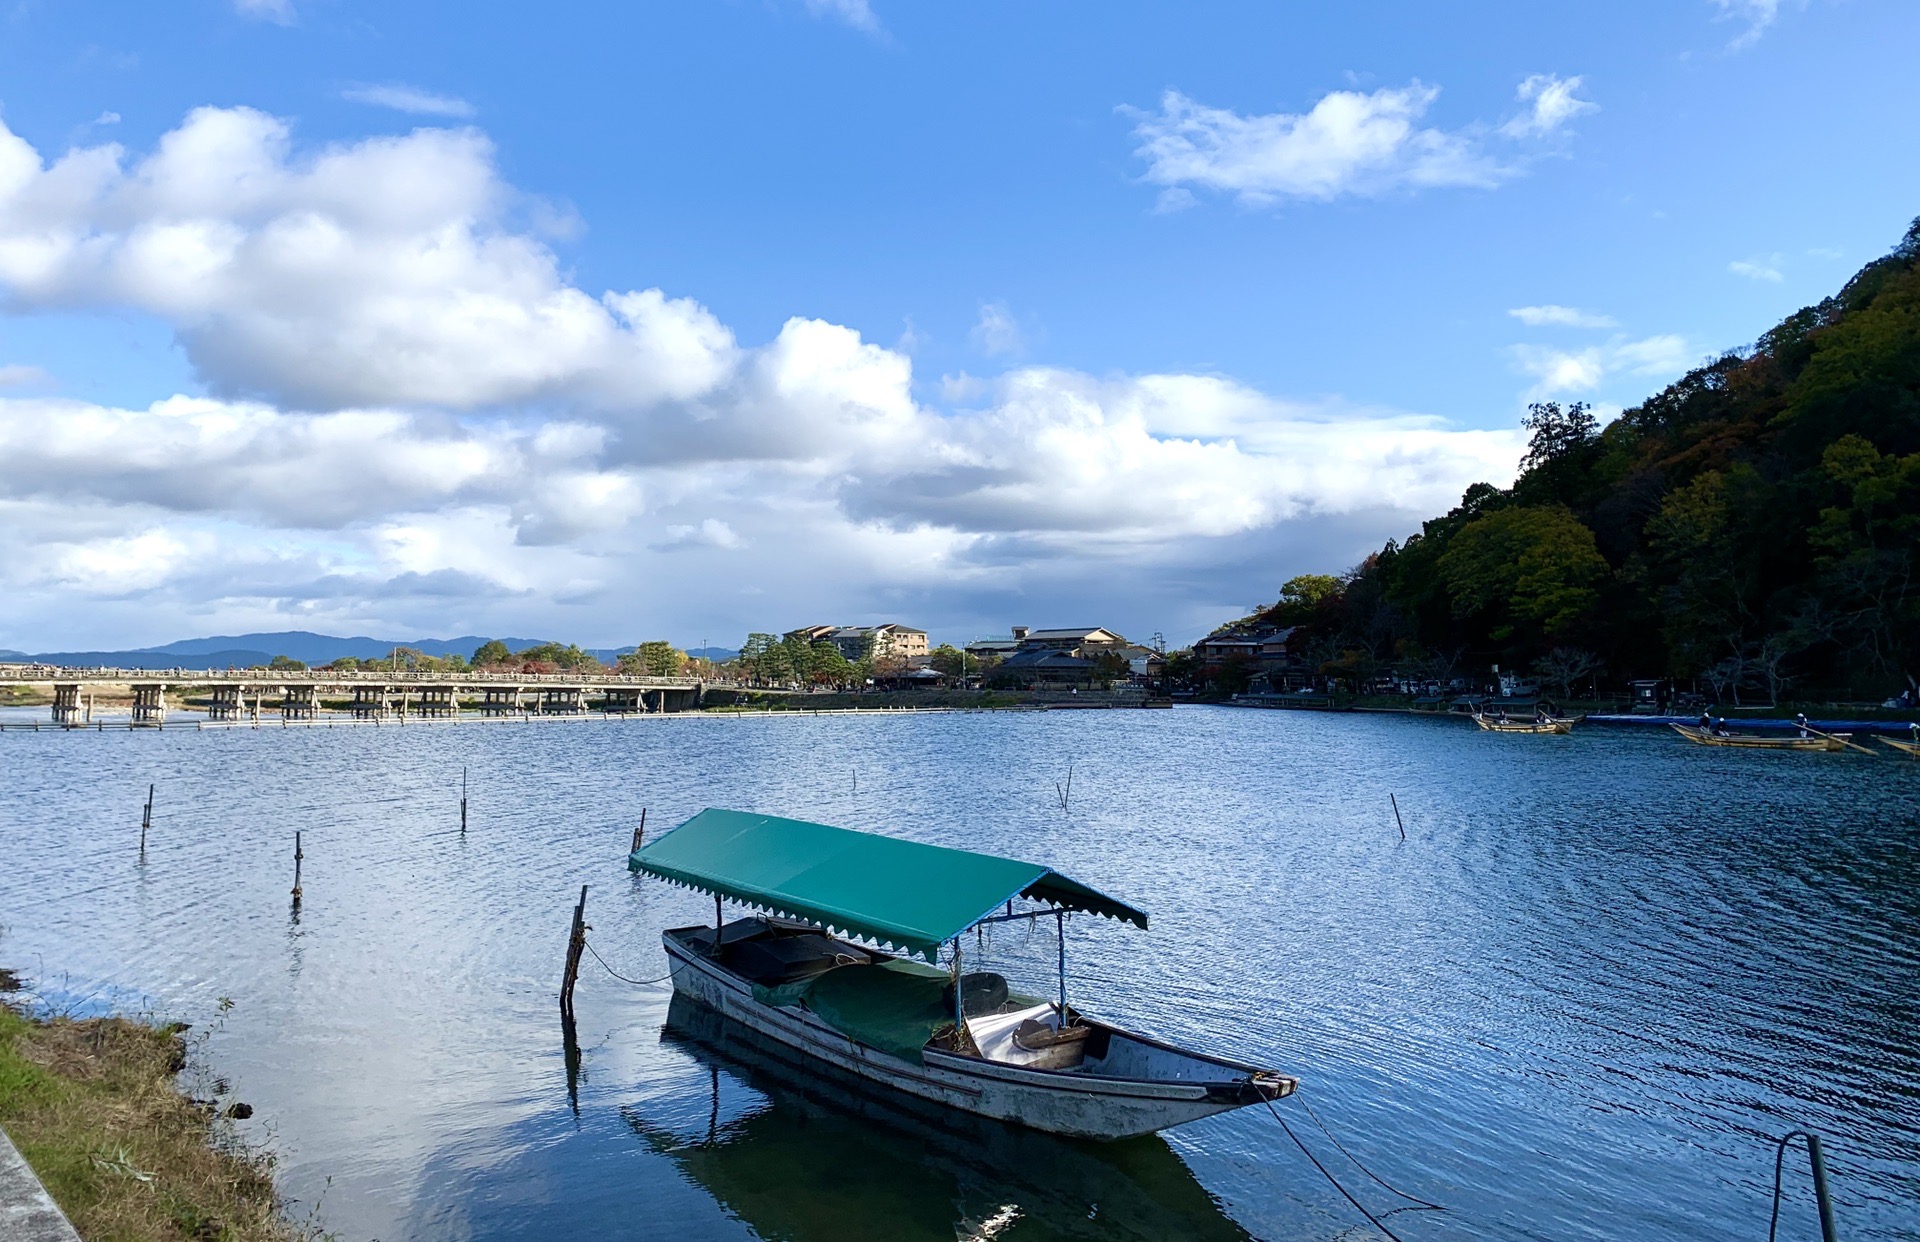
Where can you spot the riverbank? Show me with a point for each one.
(93, 1106)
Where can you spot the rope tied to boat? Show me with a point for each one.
(639, 983)
(1416, 1204)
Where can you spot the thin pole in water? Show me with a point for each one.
(640, 833)
(298, 854)
(146, 820)
(1823, 1199)
(1396, 816)
(576, 943)
(463, 801)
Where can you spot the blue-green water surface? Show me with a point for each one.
(1602, 972)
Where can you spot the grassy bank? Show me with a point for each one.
(92, 1105)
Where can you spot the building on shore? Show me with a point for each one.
(887, 641)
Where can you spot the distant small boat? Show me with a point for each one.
(1911, 748)
(1753, 741)
(1550, 724)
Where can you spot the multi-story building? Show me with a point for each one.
(891, 641)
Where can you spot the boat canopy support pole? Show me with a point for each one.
(1060, 929)
(959, 1002)
(717, 925)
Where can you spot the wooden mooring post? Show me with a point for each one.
(298, 854)
(463, 802)
(639, 833)
(1396, 816)
(576, 945)
(146, 819)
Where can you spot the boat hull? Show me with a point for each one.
(1524, 726)
(1075, 1105)
(1832, 742)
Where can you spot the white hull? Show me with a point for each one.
(1078, 1104)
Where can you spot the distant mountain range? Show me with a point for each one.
(245, 650)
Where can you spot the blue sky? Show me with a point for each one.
(1155, 305)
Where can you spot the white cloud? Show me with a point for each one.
(855, 13)
(1551, 104)
(411, 403)
(107, 118)
(279, 12)
(378, 272)
(710, 533)
(1757, 14)
(1762, 267)
(997, 332)
(1561, 317)
(1347, 143)
(1558, 372)
(403, 98)
(16, 375)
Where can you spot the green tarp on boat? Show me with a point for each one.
(898, 893)
(894, 1006)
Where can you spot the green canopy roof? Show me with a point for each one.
(898, 893)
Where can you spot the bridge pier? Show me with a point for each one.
(563, 700)
(228, 703)
(440, 701)
(369, 702)
(301, 702)
(500, 700)
(149, 703)
(66, 703)
(623, 699)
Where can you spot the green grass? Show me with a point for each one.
(92, 1105)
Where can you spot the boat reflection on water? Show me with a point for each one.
(826, 1160)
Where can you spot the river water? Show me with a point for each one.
(1578, 1002)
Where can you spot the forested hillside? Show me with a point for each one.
(1753, 525)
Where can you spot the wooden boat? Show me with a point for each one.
(1753, 741)
(1551, 724)
(826, 966)
(1911, 748)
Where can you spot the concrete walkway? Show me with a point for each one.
(27, 1212)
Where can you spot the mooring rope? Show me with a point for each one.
(639, 983)
(1333, 1181)
(1424, 1205)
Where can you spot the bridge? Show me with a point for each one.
(304, 695)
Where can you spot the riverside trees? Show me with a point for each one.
(1754, 524)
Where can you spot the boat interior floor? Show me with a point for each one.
(774, 951)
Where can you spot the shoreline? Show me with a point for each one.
(107, 1130)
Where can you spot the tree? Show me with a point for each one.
(286, 664)
(1303, 596)
(1557, 433)
(660, 659)
(951, 661)
(827, 666)
(568, 657)
(345, 664)
(1111, 666)
(759, 658)
(1518, 566)
(1564, 667)
(490, 653)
